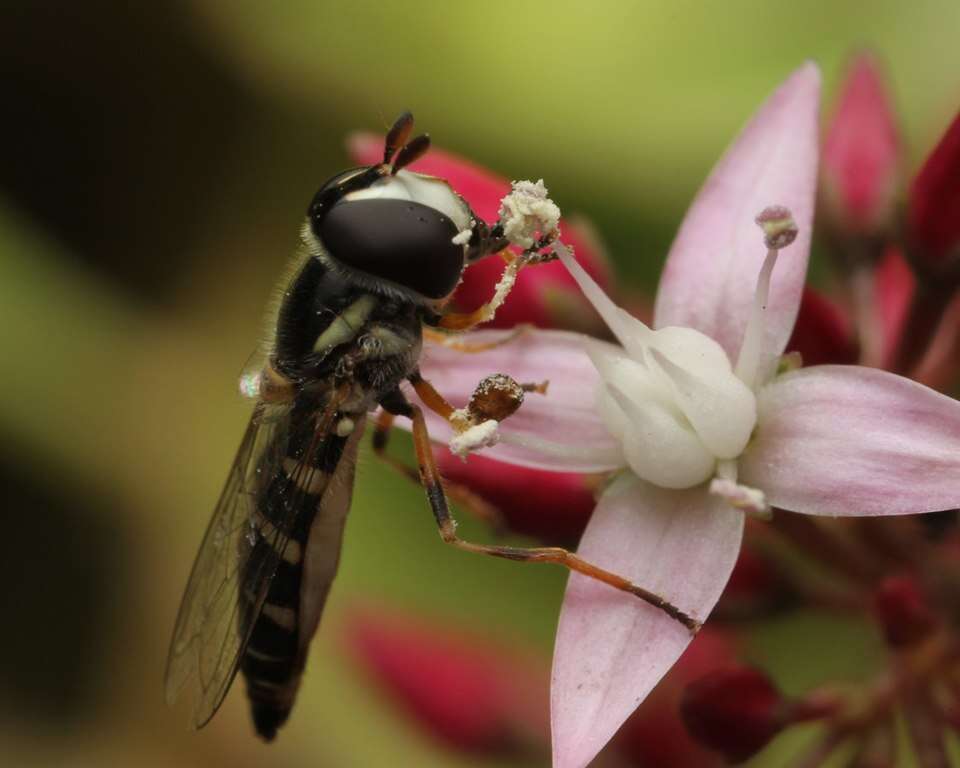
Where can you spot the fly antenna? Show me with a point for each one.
(397, 136)
(411, 151)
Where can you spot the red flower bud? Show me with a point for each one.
(933, 216)
(861, 153)
(901, 608)
(822, 333)
(551, 506)
(736, 711)
(545, 296)
(470, 696)
(894, 287)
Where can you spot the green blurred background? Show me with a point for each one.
(157, 161)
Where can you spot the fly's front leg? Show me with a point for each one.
(461, 495)
(455, 321)
(430, 478)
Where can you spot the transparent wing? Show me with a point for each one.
(214, 624)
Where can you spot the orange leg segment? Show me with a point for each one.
(430, 479)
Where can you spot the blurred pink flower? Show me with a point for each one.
(469, 695)
(546, 297)
(688, 411)
(861, 152)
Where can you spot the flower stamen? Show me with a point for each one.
(779, 231)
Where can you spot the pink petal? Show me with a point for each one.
(711, 274)
(565, 416)
(612, 648)
(541, 294)
(847, 440)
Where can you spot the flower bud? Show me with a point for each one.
(903, 612)
(470, 696)
(545, 296)
(551, 506)
(933, 216)
(655, 734)
(822, 334)
(894, 290)
(736, 711)
(861, 153)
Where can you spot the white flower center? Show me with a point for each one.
(671, 396)
(674, 403)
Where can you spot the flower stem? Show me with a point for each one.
(830, 550)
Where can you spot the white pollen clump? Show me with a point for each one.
(462, 237)
(482, 435)
(526, 211)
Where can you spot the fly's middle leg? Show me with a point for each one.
(459, 494)
(430, 478)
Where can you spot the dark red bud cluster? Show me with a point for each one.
(735, 710)
(903, 612)
(933, 216)
(822, 335)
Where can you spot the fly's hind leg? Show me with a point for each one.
(430, 479)
(461, 495)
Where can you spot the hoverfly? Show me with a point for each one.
(383, 249)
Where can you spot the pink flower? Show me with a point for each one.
(546, 297)
(861, 152)
(700, 424)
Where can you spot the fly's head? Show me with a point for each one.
(392, 228)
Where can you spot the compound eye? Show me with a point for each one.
(403, 241)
